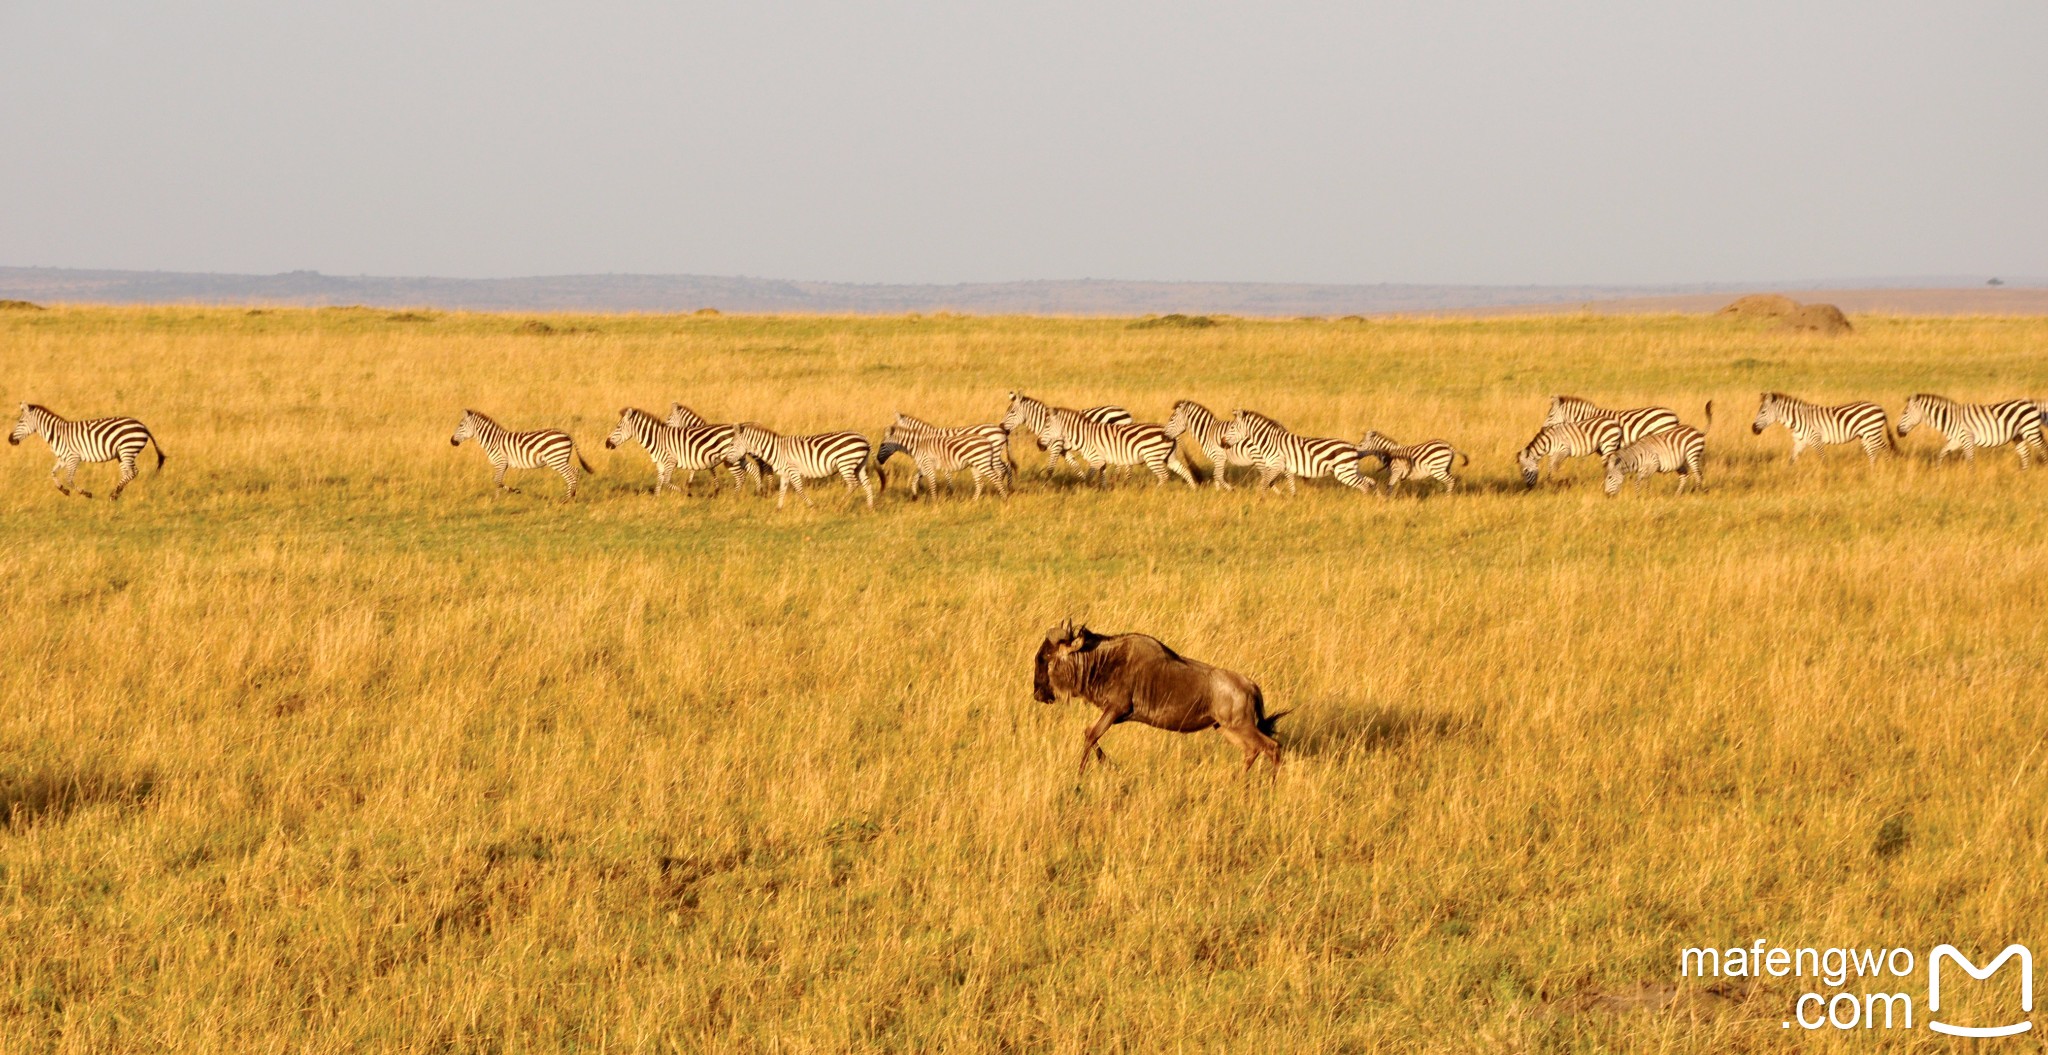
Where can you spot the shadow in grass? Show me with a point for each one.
(56, 793)
(1341, 730)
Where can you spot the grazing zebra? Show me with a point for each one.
(673, 447)
(1278, 452)
(92, 440)
(1813, 425)
(799, 458)
(935, 450)
(1635, 424)
(1680, 450)
(1202, 427)
(1571, 439)
(541, 448)
(1050, 424)
(1105, 443)
(1431, 458)
(1969, 426)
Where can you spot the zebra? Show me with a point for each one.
(1278, 452)
(90, 440)
(673, 447)
(1680, 450)
(1635, 424)
(680, 416)
(799, 458)
(1813, 425)
(549, 448)
(1555, 443)
(936, 450)
(1969, 426)
(1049, 424)
(1431, 458)
(1206, 432)
(1103, 444)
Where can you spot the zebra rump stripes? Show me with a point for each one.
(1571, 439)
(799, 458)
(540, 448)
(1813, 425)
(1681, 450)
(936, 450)
(91, 440)
(1103, 444)
(1969, 426)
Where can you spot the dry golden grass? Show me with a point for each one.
(314, 744)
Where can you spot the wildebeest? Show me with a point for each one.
(1133, 677)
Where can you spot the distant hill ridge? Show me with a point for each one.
(673, 293)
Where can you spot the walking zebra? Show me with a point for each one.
(1278, 452)
(540, 448)
(680, 416)
(1572, 439)
(1635, 424)
(1201, 426)
(1813, 425)
(1050, 424)
(1969, 426)
(673, 447)
(91, 440)
(936, 450)
(1105, 443)
(1431, 458)
(1680, 450)
(799, 458)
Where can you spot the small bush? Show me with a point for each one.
(20, 305)
(1174, 321)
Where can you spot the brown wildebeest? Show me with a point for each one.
(1137, 678)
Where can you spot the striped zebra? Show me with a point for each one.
(1206, 432)
(936, 450)
(1049, 424)
(1430, 458)
(1681, 450)
(680, 416)
(1572, 439)
(1813, 425)
(673, 447)
(1635, 424)
(799, 458)
(91, 440)
(1969, 426)
(1278, 452)
(1105, 443)
(540, 448)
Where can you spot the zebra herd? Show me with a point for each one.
(1639, 442)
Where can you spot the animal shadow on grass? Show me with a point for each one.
(1340, 730)
(55, 792)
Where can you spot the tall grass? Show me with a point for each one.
(313, 743)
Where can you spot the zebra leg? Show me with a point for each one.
(567, 471)
(860, 472)
(662, 473)
(498, 476)
(1449, 482)
(57, 476)
(1174, 463)
(127, 474)
(71, 479)
(1269, 477)
(733, 468)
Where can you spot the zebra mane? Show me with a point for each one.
(480, 416)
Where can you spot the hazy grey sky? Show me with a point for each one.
(1494, 142)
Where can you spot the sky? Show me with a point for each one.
(1454, 141)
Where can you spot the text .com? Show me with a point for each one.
(1874, 988)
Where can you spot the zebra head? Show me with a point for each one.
(1233, 432)
(633, 424)
(464, 429)
(680, 416)
(1529, 461)
(24, 426)
(1767, 411)
(1915, 413)
(750, 441)
(1183, 418)
(1017, 414)
(1616, 469)
(1375, 442)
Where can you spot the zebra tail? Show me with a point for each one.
(881, 478)
(159, 452)
(1710, 414)
(584, 464)
(1463, 458)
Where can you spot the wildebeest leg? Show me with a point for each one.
(1254, 743)
(1088, 741)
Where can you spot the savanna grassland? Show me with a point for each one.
(316, 744)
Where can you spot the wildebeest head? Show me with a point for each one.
(1061, 642)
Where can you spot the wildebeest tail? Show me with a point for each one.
(1267, 722)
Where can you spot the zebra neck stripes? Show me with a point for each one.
(1570, 439)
